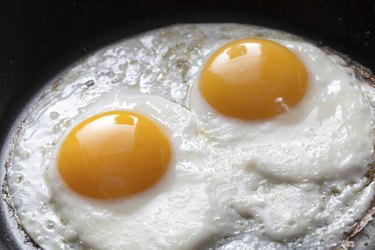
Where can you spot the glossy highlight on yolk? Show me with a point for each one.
(114, 154)
(253, 79)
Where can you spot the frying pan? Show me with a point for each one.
(38, 39)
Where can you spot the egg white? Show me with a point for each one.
(231, 190)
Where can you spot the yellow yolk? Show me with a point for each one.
(114, 154)
(253, 79)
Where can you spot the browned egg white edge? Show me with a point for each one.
(360, 72)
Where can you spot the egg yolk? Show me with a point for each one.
(114, 154)
(253, 79)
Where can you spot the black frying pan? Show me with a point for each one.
(39, 38)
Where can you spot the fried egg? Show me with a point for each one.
(236, 137)
(316, 139)
(295, 140)
(99, 206)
